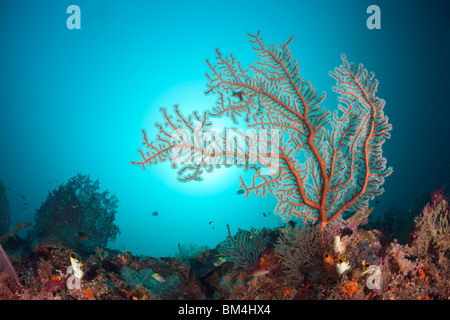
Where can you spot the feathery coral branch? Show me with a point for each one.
(319, 165)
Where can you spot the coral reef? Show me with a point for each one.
(296, 247)
(245, 247)
(431, 233)
(319, 166)
(145, 278)
(77, 215)
(294, 262)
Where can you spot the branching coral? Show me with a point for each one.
(144, 278)
(78, 207)
(316, 164)
(402, 256)
(431, 236)
(245, 248)
(296, 248)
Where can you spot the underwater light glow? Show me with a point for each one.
(190, 97)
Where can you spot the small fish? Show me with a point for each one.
(83, 236)
(264, 215)
(219, 262)
(75, 259)
(23, 198)
(291, 223)
(211, 223)
(158, 277)
(238, 94)
(360, 270)
(240, 191)
(155, 213)
(377, 202)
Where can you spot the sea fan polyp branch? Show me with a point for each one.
(315, 163)
(193, 145)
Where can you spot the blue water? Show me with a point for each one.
(76, 100)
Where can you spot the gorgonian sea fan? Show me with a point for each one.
(319, 165)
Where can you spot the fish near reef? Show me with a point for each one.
(83, 236)
(158, 277)
(219, 262)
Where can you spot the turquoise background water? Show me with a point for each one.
(76, 100)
